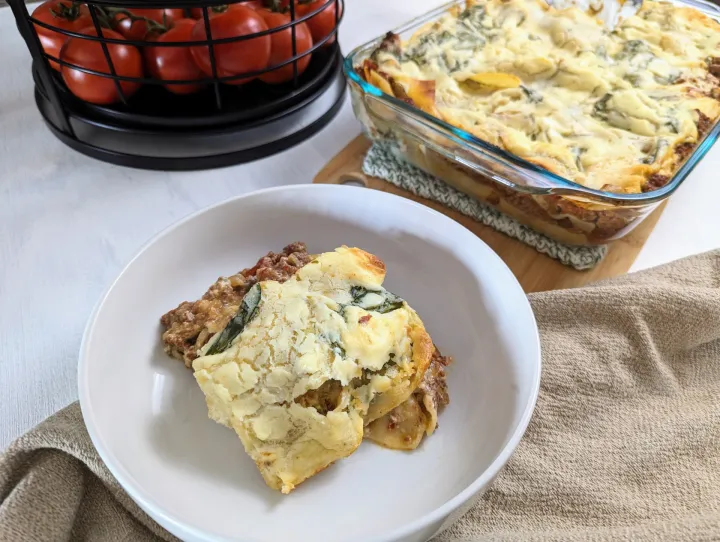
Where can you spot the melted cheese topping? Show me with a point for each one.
(328, 323)
(603, 108)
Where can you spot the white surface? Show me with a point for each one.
(147, 416)
(68, 223)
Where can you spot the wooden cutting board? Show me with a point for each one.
(536, 272)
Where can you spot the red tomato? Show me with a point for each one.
(282, 47)
(197, 13)
(61, 14)
(237, 57)
(175, 63)
(138, 30)
(97, 89)
(322, 24)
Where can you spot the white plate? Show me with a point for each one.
(148, 419)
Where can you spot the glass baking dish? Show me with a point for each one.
(544, 201)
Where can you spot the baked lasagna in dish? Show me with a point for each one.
(304, 356)
(613, 110)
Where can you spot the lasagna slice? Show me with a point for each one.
(189, 327)
(331, 337)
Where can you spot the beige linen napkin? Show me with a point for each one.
(624, 443)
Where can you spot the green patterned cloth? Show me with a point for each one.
(383, 163)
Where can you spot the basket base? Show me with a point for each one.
(182, 150)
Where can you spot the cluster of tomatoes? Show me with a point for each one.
(180, 63)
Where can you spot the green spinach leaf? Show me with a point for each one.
(247, 311)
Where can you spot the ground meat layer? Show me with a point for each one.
(433, 383)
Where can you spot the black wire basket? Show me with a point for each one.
(184, 84)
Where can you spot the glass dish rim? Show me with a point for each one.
(554, 181)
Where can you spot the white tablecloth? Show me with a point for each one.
(68, 224)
